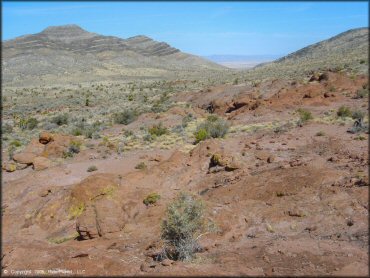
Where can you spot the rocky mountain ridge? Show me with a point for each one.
(65, 53)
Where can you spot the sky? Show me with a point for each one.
(200, 28)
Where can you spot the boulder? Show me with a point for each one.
(318, 76)
(229, 162)
(9, 167)
(45, 137)
(156, 158)
(262, 155)
(24, 158)
(217, 160)
(57, 146)
(234, 164)
(44, 192)
(41, 163)
(167, 262)
(144, 267)
(21, 166)
(323, 77)
(271, 159)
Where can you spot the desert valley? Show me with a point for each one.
(131, 157)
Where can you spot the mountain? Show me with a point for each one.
(346, 51)
(71, 54)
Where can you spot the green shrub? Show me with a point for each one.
(89, 131)
(360, 137)
(7, 128)
(282, 128)
(344, 111)
(183, 224)
(141, 166)
(126, 117)
(320, 133)
(61, 119)
(358, 115)
(92, 168)
(187, 119)
(151, 199)
(304, 115)
(32, 123)
(76, 131)
(362, 93)
(128, 133)
(332, 89)
(212, 127)
(16, 143)
(212, 118)
(148, 138)
(159, 107)
(11, 151)
(130, 97)
(74, 147)
(201, 134)
(158, 130)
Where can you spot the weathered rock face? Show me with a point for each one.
(101, 218)
(109, 215)
(41, 163)
(102, 214)
(87, 225)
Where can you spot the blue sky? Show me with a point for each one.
(201, 28)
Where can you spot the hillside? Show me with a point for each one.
(285, 187)
(71, 54)
(347, 51)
